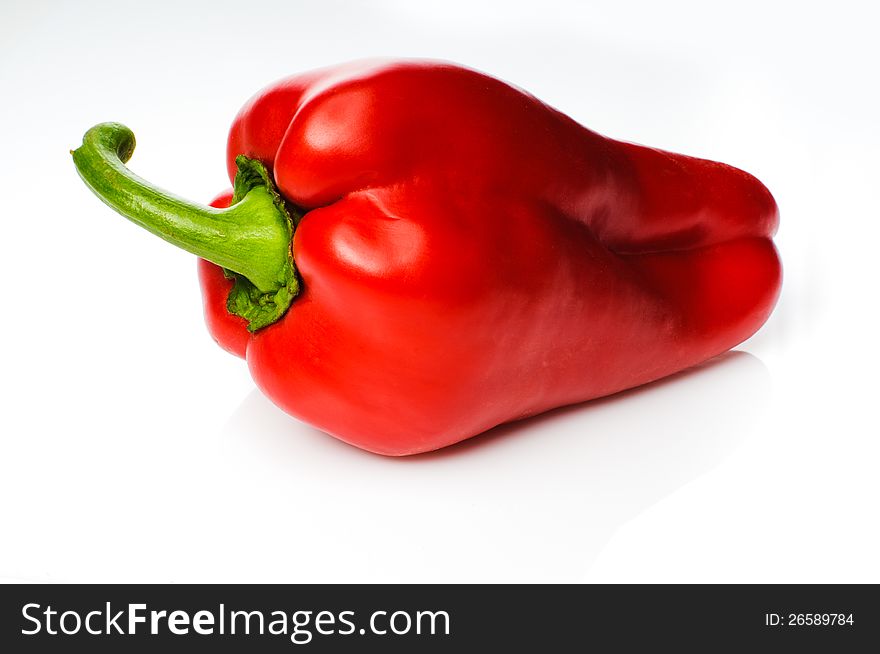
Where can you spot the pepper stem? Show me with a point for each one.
(251, 238)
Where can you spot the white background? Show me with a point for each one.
(133, 449)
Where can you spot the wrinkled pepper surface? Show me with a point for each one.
(415, 252)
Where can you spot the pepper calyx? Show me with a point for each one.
(258, 307)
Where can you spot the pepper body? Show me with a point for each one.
(470, 256)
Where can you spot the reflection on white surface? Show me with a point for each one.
(531, 501)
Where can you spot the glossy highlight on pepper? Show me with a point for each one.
(415, 252)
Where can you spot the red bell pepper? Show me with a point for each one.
(462, 254)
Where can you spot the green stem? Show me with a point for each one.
(251, 238)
